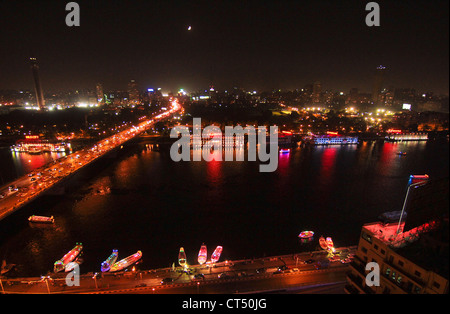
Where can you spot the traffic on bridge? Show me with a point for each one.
(23, 190)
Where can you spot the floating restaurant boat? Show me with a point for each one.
(106, 265)
(202, 254)
(182, 257)
(34, 144)
(285, 150)
(216, 254)
(398, 136)
(323, 243)
(335, 140)
(41, 219)
(69, 257)
(127, 261)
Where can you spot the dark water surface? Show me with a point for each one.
(156, 205)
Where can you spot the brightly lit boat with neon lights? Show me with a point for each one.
(126, 262)
(68, 258)
(306, 234)
(106, 265)
(182, 257)
(216, 254)
(284, 150)
(323, 243)
(71, 266)
(202, 254)
(335, 140)
(330, 243)
(41, 219)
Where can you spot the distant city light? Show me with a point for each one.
(406, 107)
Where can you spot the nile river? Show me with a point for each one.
(145, 201)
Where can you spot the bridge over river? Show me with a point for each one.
(27, 188)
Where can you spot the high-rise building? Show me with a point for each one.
(99, 93)
(37, 84)
(317, 89)
(133, 92)
(378, 85)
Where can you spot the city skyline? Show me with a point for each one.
(254, 46)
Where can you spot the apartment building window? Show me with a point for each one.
(388, 271)
(366, 237)
(400, 263)
(436, 285)
(417, 273)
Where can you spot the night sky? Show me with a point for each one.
(257, 45)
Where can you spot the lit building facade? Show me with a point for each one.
(413, 255)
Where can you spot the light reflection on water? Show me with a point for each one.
(145, 201)
(16, 164)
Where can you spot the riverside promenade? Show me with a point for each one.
(275, 273)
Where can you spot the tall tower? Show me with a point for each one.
(377, 85)
(37, 84)
(317, 89)
(99, 92)
(133, 92)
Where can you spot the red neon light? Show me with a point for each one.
(394, 131)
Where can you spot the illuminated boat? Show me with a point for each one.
(41, 219)
(216, 254)
(202, 254)
(106, 265)
(127, 261)
(330, 243)
(69, 257)
(401, 153)
(323, 243)
(284, 150)
(70, 266)
(306, 234)
(335, 140)
(182, 257)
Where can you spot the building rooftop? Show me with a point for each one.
(425, 245)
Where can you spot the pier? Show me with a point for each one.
(273, 274)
